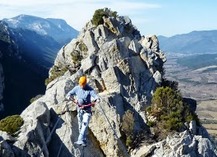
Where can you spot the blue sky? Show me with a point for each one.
(160, 17)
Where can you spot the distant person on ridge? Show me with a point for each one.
(84, 93)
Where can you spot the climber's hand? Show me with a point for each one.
(81, 107)
(93, 104)
(68, 97)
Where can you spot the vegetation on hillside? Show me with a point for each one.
(168, 112)
(128, 127)
(198, 61)
(35, 98)
(99, 13)
(11, 124)
(76, 57)
(54, 73)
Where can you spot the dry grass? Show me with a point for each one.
(207, 112)
(207, 109)
(211, 127)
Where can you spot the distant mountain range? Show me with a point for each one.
(58, 29)
(28, 47)
(39, 39)
(190, 43)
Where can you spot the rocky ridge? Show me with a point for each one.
(124, 68)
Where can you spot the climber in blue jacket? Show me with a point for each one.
(84, 94)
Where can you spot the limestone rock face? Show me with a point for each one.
(180, 144)
(124, 68)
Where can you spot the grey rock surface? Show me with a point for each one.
(125, 69)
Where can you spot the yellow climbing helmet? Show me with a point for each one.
(82, 81)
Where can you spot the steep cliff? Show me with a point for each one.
(28, 47)
(4, 42)
(1, 85)
(124, 68)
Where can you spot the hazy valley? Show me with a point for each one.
(192, 62)
(197, 78)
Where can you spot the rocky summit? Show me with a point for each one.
(124, 68)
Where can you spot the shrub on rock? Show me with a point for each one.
(11, 124)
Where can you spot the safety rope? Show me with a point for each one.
(59, 151)
(115, 134)
(77, 152)
(51, 133)
(112, 128)
(49, 137)
(122, 146)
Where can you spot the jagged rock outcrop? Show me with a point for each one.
(179, 144)
(125, 68)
